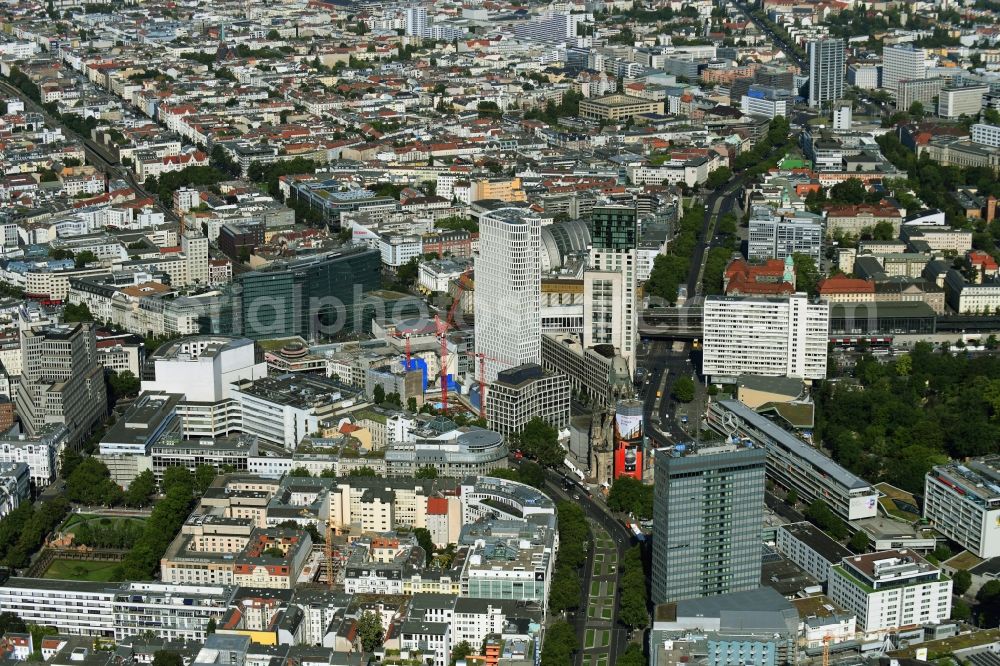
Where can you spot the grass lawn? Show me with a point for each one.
(80, 518)
(586, 659)
(611, 590)
(595, 588)
(606, 613)
(599, 557)
(605, 638)
(588, 639)
(591, 611)
(602, 660)
(82, 570)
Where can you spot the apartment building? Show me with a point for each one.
(776, 336)
(39, 452)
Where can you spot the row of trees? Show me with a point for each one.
(634, 611)
(670, 270)
(574, 534)
(527, 472)
(167, 517)
(23, 530)
(765, 152)
(560, 644)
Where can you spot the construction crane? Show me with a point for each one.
(826, 649)
(442, 328)
(482, 380)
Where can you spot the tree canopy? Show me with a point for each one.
(911, 414)
(370, 631)
(540, 441)
(630, 495)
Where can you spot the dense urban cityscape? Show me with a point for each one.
(432, 333)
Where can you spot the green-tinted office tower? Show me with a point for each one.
(708, 510)
(318, 298)
(614, 228)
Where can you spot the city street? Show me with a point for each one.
(621, 540)
(664, 366)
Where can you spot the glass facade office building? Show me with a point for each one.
(317, 298)
(708, 509)
(614, 228)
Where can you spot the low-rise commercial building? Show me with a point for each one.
(889, 590)
(599, 371)
(794, 464)
(618, 107)
(810, 548)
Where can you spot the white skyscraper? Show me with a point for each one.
(826, 71)
(774, 337)
(902, 62)
(610, 315)
(508, 278)
(416, 21)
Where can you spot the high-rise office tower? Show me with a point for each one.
(609, 285)
(61, 381)
(826, 71)
(508, 290)
(902, 62)
(708, 508)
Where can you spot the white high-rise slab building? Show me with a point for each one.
(902, 62)
(826, 71)
(416, 21)
(508, 277)
(776, 337)
(610, 315)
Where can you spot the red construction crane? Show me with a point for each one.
(407, 351)
(442, 334)
(482, 380)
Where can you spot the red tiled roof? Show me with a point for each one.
(841, 284)
(437, 506)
